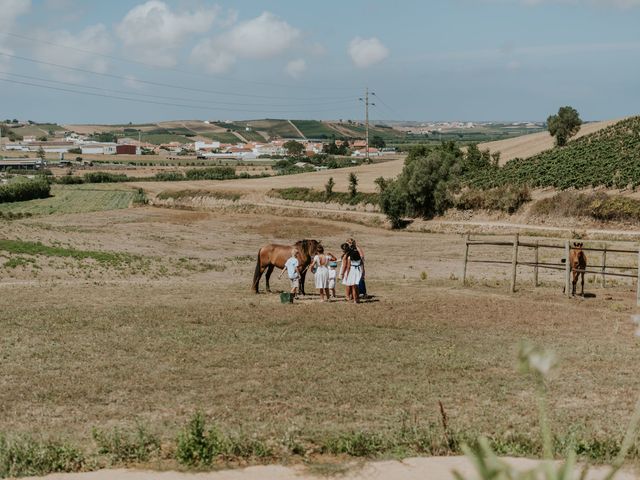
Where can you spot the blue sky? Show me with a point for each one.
(426, 60)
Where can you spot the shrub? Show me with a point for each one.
(123, 447)
(26, 456)
(211, 173)
(105, 177)
(69, 180)
(20, 191)
(168, 176)
(198, 446)
(505, 199)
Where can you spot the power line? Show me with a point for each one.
(164, 97)
(159, 84)
(129, 99)
(150, 65)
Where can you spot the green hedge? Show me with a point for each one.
(25, 190)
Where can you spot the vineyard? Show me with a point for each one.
(609, 158)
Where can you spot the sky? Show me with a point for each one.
(120, 61)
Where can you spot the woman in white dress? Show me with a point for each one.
(351, 271)
(320, 267)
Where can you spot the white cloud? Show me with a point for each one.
(94, 39)
(212, 56)
(262, 37)
(10, 11)
(153, 32)
(365, 52)
(295, 68)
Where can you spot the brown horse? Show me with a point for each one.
(578, 262)
(272, 255)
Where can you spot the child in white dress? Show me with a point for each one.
(319, 265)
(333, 273)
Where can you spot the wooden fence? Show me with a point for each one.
(603, 270)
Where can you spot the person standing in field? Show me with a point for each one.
(351, 271)
(332, 278)
(320, 266)
(292, 267)
(362, 286)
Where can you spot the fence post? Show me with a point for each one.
(567, 269)
(466, 258)
(604, 266)
(535, 268)
(514, 262)
(638, 282)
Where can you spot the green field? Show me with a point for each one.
(315, 129)
(160, 138)
(273, 127)
(250, 135)
(222, 137)
(75, 199)
(37, 130)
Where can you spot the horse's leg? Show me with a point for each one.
(268, 275)
(582, 283)
(574, 282)
(302, 275)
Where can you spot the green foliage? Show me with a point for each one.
(169, 176)
(36, 248)
(20, 191)
(140, 198)
(564, 125)
(182, 194)
(197, 445)
(353, 184)
(378, 142)
(211, 173)
(69, 180)
(355, 444)
(294, 149)
(609, 157)
(25, 456)
(328, 187)
(41, 154)
(104, 137)
(304, 194)
(104, 177)
(122, 447)
(506, 199)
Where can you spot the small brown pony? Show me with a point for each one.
(578, 262)
(272, 255)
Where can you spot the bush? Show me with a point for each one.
(26, 456)
(198, 446)
(168, 176)
(211, 173)
(124, 447)
(304, 194)
(25, 190)
(599, 206)
(505, 199)
(69, 180)
(105, 177)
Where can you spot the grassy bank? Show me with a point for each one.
(310, 195)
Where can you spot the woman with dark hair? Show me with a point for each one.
(351, 271)
(362, 286)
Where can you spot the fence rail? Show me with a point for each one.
(516, 244)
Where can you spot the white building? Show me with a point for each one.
(204, 145)
(98, 149)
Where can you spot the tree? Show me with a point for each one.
(294, 149)
(328, 187)
(378, 142)
(353, 184)
(40, 153)
(564, 125)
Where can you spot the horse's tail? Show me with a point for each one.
(257, 274)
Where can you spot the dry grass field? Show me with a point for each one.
(145, 316)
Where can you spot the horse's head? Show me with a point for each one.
(308, 248)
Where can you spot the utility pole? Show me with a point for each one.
(366, 119)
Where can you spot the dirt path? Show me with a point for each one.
(432, 468)
(297, 129)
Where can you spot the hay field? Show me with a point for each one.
(171, 327)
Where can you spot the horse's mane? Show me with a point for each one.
(305, 245)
